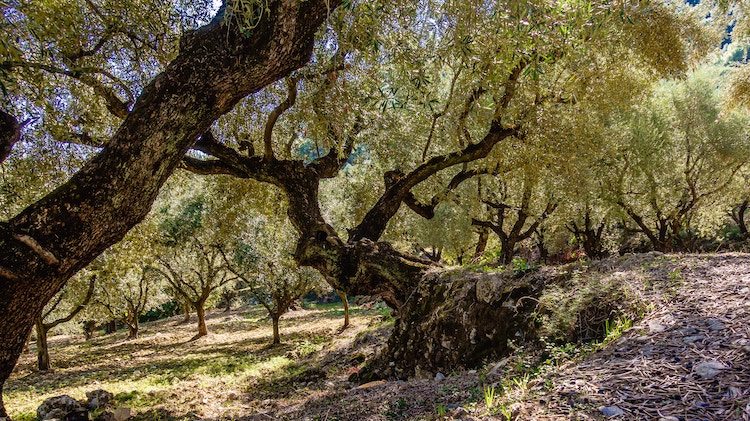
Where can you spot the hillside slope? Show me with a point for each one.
(688, 358)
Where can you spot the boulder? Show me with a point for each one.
(59, 407)
(122, 414)
(98, 399)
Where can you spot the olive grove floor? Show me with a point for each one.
(687, 358)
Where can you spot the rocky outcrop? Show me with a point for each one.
(461, 318)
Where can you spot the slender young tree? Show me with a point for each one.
(262, 259)
(44, 324)
(196, 271)
(131, 298)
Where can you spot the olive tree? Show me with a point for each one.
(426, 90)
(141, 79)
(675, 155)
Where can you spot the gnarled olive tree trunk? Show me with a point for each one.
(363, 266)
(52, 239)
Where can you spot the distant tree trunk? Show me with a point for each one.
(185, 311)
(507, 247)
(542, 246)
(201, 312)
(42, 349)
(133, 328)
(276, 336)
(227, 295)
(738, 215)
(344, 300)
(110, 327)
(589, 236)
(88, 329)
(484, 236)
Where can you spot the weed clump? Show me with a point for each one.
(587, 306)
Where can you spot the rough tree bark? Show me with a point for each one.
(52, 239)
(457, 320)
(42, 347)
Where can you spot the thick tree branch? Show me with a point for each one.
(291, 98)
(209, 167)
(52, 305)
(481, 223)
(373, 224)
(427, 211)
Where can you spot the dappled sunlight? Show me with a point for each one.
(164, 371)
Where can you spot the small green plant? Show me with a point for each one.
(522, 266)
(522, 383)
(506, 411)
(614, 330)
(441, 410)
(305, 348)
(489, 396)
